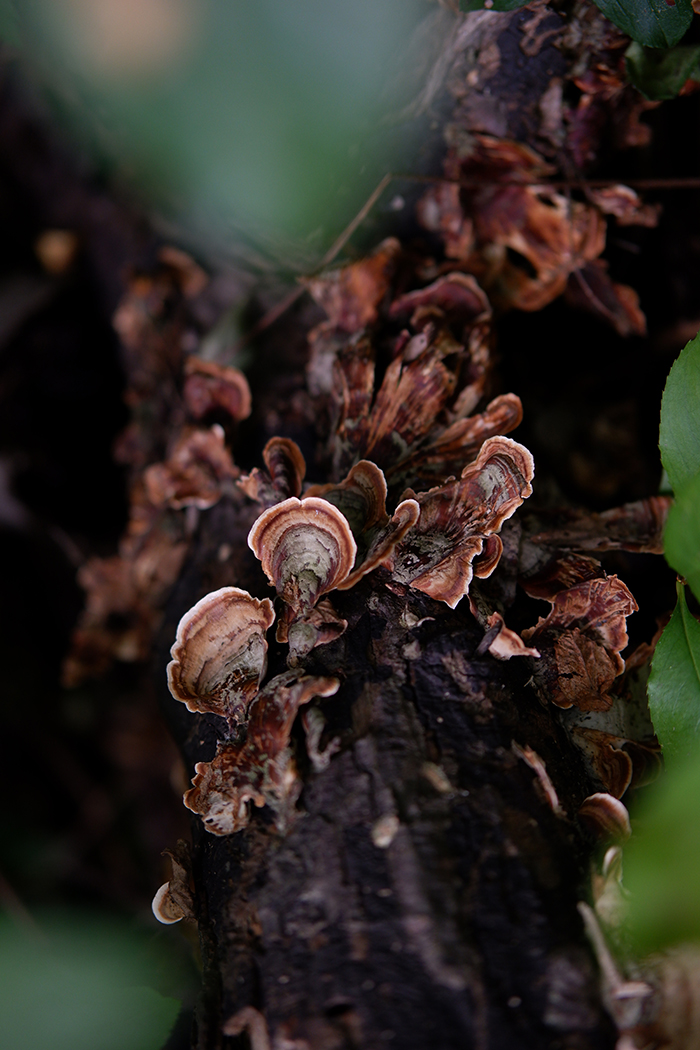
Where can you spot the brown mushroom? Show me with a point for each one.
(306, 549)
(319, 626)
(220, 653)
(456, 518)
(461, 440)
(209, 386)
(259, 769)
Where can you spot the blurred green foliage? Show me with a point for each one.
(662, 861)
(78, 982)
(268, 122)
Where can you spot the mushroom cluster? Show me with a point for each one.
(416, 428)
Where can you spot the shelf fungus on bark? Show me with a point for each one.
(306, 549)
(458, 521)
(605, 817)
(165, 908)
(220, 653)
(193, 473)
(209, 386)
(260, 768)
(361, 498)
(283, 478)
(616, 761)
(580, 643)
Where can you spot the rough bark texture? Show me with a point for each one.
(462, 930)
(425, 895)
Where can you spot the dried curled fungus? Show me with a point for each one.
(260, 769)
(580, 643)
(210, 386)
(306, 549)
(220, 653)
(605, 817)
(285, 472)
(193, 473)
(437, 556)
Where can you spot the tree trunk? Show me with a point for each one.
(425, 895)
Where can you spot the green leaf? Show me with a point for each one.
(78, 986)
(661, 74)
(649, 22)
(682, 534)
(679, 436)
(662, 863)
(674, 684)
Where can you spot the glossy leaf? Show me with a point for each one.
(661, 74)
(650, 22)
(662, 863)
(682, 534)
(679, 436)
(674, 684)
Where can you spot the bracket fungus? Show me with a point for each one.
(605, 817)
(260, 768)
(193, 473)
(306, 549)
(283, 478)
(220, 653)
(209, 386)
(361, 498)
(580, 642)
(457, 518)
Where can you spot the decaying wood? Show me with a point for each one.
(417, 885)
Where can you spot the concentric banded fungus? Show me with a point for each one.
(209, 386)
(193, 473)
(165, 908)
(461, 440)
(580, 642)
(361, 497)
(306, 549)
(456, 518)
(259, 770)
(616, 761)
(605, 817)
(637, 526)
(286, 469)
(220, 653)
(384, 541)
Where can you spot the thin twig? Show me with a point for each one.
(690, 182)
(681, 183)
(284, 304)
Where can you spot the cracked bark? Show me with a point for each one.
(425, 894)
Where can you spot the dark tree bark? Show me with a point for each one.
(425, 894)
(456, 929)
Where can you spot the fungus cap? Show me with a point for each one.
(305, 547)
(220, 652)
